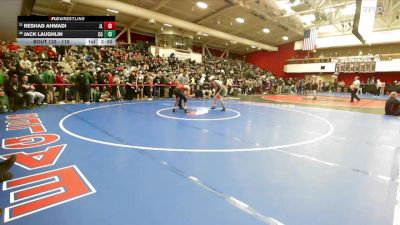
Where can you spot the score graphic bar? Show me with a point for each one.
(66, 30)
(61, 26)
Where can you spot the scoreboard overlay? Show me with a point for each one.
(66, 30)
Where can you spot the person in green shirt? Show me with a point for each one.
(4, 103)
(2, 75)
(83, 79)
(48, 78)
(72, 90)
(96, 94)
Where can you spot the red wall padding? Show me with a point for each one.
(275, 61)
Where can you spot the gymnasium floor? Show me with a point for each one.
(257, 163)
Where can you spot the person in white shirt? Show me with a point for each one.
(184, 78)
(382, 90)
(25, 64)
(354, 88)
(229, 85)
(379, 87)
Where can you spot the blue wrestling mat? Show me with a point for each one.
(127, 163)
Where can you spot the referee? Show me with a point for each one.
(354, 88)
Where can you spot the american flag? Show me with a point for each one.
(310, 39)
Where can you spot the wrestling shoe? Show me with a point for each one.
(6, 176)
(7, 164)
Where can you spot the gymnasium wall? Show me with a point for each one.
(275, 61)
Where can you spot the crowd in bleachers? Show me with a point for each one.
(36, 75)
(39, 75)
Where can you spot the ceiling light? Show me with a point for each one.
(239, 20)
(204, 34)
(286, 6)
(167, 25)
(285, 38)
(266, 30)
(253, 46)
(308, 18)
(112, 10)
(202, 5)
(233, 42)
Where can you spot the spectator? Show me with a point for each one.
(280, 86)
(83, 79)
(48, 78)
(116, 88)
(105, 95)
(341, 86)
(2, 74)
(29, 92)
(96, 94)
(229, 85)
(60, 80)
(184, 78)
(157, 88)
(4, 104)
(392, 105)
(13, 90)
(379, 87)
(25, 64)
(314, 88)
(140, 85)
(382, 89)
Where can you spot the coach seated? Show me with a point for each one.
(12, 89)
(30, 94)
(392, 106)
